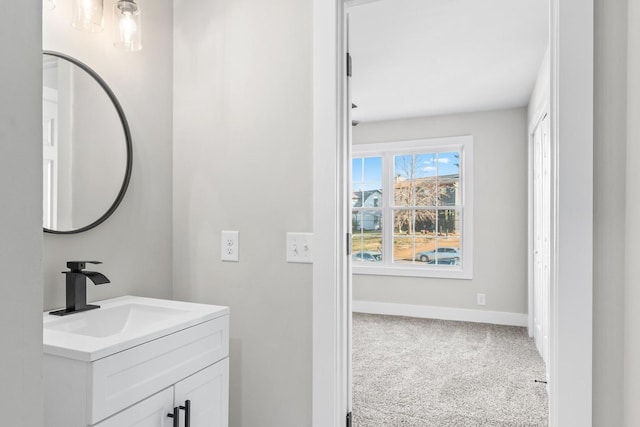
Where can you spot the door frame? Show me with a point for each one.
(571, 114)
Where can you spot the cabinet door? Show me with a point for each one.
(151, 412)
(208, 392)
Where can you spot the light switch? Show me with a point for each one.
(300, 247)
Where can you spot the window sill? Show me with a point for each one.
(412, 271)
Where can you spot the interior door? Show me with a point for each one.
(546, 236)
(542, 236)
(208, 394)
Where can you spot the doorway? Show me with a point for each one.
(571, 141)
(458, 78)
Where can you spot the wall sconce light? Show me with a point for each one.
(87, 15)
(127, 30)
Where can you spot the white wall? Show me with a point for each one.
(242, 161)
(134, 243)
(609, 212)
(21, 215)
(500, 208)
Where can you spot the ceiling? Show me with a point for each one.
(414, 58)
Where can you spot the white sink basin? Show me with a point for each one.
(120, 323)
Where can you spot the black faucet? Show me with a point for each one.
(77, 287)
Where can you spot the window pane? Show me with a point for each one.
(356, 222)
(369, 245)
(425, 221)
(403, 250)
(424, 247)
(403, 180)
(449, 179)
(367, 182)
(356, 246)
(372, 198)
(403, 222)
(356, 169)
(373, 169)
(449, 222)
(357, 196)
(371, 221)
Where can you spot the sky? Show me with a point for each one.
(426, 165)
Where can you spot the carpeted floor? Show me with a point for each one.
(436, 373)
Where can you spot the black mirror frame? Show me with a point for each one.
(127, 134)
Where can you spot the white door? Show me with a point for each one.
(151, 412)
(49, 157)
(546, 237)
(541, 236)
(206, 393)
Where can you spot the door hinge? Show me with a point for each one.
(349, 416)
(349, 243)
(348, 64)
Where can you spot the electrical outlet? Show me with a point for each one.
(229, 246)
(481, 299)
(300, 247)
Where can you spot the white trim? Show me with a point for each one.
(571, 114)
(442, 313)
(415, 145)
(329, 370)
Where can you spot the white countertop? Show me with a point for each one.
(120, 323)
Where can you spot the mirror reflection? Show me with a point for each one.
(86, 147)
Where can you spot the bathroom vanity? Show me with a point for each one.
(139, 362)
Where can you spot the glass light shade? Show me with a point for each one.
(127, 29)
(88, 15)
(50, 4)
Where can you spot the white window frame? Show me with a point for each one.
(386, 150)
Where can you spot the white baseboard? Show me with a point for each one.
(442, 313)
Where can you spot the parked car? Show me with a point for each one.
(367, 256)
(439, 254)
(446, 261)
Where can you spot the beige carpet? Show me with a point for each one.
(435, 373)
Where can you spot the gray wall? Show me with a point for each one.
(632, 290)
(21, 215)
(609, 213)
(500, 213)
(135, 243)
(242, 161)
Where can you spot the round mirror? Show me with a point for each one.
(87, 152)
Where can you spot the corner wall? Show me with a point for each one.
(243, 161)
(500, 214)
(135, 242)
(609, 174)
(632, 272)
(21, 215)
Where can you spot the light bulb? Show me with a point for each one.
(127, 31)
(128, 28)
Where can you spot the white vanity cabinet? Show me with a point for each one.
(206, 392)
(140, 379)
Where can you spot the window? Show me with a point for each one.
(412, 208)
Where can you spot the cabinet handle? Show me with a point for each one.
(175, 416)
(187, 413)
